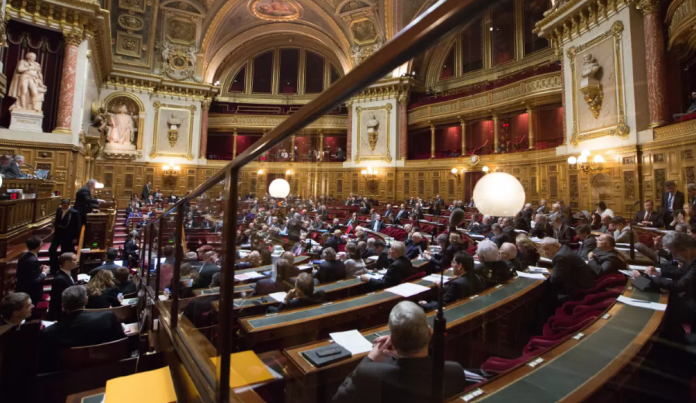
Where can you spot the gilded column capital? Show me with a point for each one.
(648, 6)
(72, 38)
(205, 104)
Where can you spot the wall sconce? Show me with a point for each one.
(288, 173)
(260, 172)
(455, 172)
(97, 185)
(485, 169)
(369, 174)
(171, 169)
(585, 164)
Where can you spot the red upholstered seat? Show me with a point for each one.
(497, 364)
(568, 307)
(602, 284)
(550, 334)
(413, 277)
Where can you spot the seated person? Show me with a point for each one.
(466, 283)
(475, 225)
(208, 269)
(362, 249)
(335, 226)
(527, 252)
(76, 328)
(317, 223)
(400, 269)
(331, 269)
(334, 240)
(355, 265)
(376, 224)
(605, 259)
(562, 231)
(111, 255)
(398, 369)
(492, 269)
(253, 260)
(274, 283)
(192, 259)
(301, 296)
(102, 291)
(498, 236)
(383, 257)
(361, 235)
(123, 282)
(691, 109)
(587, 239)
(648, 216)
(15, 309)
(570, 273)
(622, 232)
(265, 251)
(442, 260)
(135, 214)
(369, 248)
(508, 254)
(200, 310)
(416, 247)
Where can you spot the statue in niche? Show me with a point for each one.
(174, 123)
(120, 131)
(372, 131)
(27, 85)
(590, 86)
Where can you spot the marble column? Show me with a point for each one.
(432, 140)
(234, 143)
(321, 145)
(495, 134)
(349, 124)
(205, 107)
(462, 122)
(67, 84)
(655, 61)
(403, 132)
(292, 146)
(530, 116)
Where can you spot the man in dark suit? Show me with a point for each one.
(543, 208)
(208, 269)
(301, 296)
(31, 273)
(398, 369)
(388, 212)
(16, 308)
(570, 273)
(383, 257)
(567, 214)
(648, 217)
(672, 200)
(562, 231)
(334, 241)
(66, 232)
(13, 170)
(400, 269)
(498, 236)
(508, 254)
(402, 215)
(147, 189)
(588, 241)
(274, 283)
(465, 284)
(691, 194)
(77, 328)
(377, 224)
(605, 259)
(84, 203)
(61, 281)
(111, 255)
(416, 246)
(157, 195)
(331, 269)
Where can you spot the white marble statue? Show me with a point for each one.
(27, 85)
(121, 130)
(372, 127)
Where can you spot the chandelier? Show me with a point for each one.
(585, 164)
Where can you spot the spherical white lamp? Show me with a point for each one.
(454, 171)
(585, 153)
(499, 194)
(598, 159)
(280, 188)
(485, 169)
(572, 160)
(582, 159)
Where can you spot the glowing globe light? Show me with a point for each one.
(585, 153)
(499, 194)
(598, 159)
(454, 170)
(280, 188)
(485, 169)
(582, 159)
(572, 160)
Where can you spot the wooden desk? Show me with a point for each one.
(286, 329)
(466, 342)
(575, 370)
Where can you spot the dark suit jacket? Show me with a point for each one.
(414, 249)
(514, 264)
(564, 234)
(502, 238)
(388, 213)
(603, 263)
(61, 282)
(330, 271)
(84, 203)
(107, 299)
(677, 205)
(69, 225)
(126, 288)
(678, 279)
(443, 260)
(655, 218)
(266, 286)
(403, 380)
(12, 171)
(460, 287)
(30, 277)
(398, 271)
(587, 246)
(206, 274)
(333, 243)
(382, 261)
(401, 215)
(146, 192)
(111, 266)
(76, 329)
(371, 225)
(570, 273)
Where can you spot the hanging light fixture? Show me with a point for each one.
(585, 164)
(279, 188)
(499, 194)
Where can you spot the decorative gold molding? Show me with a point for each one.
(682, 129)
(681, 18)
(141, 114)
(192, 110)
(621, 129)
(387, 158)
(326, 122)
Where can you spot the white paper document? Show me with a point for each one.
(534, 269)
(304, 267)
(407, 289)
(129, 301)
(352, 341)
(641, 303)
(375, 276)
(544, 259)
(537, 276)
(373, 258)
(253, 275)
(83, 277)
(435, 278)
(278, 296)
(46, 323)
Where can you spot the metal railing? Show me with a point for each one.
(442, 18)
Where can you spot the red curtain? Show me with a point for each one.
(548, 127)
(479, 137)
(49, 49)
(470, 181)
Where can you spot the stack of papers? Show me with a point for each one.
(83, 277)
(375, 276)
(435, 278)
(537, 276)
(544, 259)
(247, 276)
(534, 269)
(278, 296)
(373, 258)
(152, 387)
(129, 301)
(407, 289)
(352, 341)
(304, 267)
(642, 304)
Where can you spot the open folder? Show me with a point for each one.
(246, 369)
(144, 387)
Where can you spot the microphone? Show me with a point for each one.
(456, 217)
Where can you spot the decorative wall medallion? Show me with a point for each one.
(380, 151)
(647, 185)
(629, 160)
(128, 45)
(590, 86)
(364, 32)
(658, 158)
(178, 61)
(130, 22)
(174, 122)
(275, 10)
(165, 118)
(688, 155)
(132, 5)
(181, 31)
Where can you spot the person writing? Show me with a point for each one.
(465, 284)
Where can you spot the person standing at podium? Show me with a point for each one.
(12, 170)
(84, 203)
(66, 232)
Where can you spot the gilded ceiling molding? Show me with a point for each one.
(681, 18)
(326, 122)
(241, 40)
(156, 86)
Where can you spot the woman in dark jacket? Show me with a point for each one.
(102, 291)
(527, 252)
